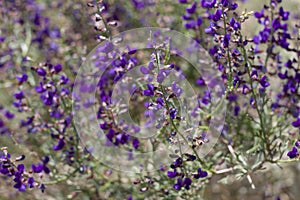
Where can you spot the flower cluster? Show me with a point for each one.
(22, 178)
(186, 183)
(294, 152)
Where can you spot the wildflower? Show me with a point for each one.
(263, 81)
(60, 145)
(200, 174)
(23, 78)
(208, 3)
(19, 95)
(38, 168)
(150, 91)
(135, 143)
(296, 123)
(192, 8)
(293, 153)
(41, 72)
(172, 174)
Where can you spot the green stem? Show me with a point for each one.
(230, 78)
(259, 111)
(172, 122)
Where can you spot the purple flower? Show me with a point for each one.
(57, 68)
(150, 91)
(121, 138)
(55, 33)
(151, 66)
(64, 79)
(42, 187)
(48, 98)
(173, 113)
(282, 40)
(265, 34)
(104, 126)
(260, 14)
(40, 88)
(289, 64)
(110, 135)
(21, 168)
(144, 70)
(178, 162)
(283, 76)
(192, 8)
(232, 97)
(246, 89)
(162, 74)
(199, 21)
(284, 15)
(276, 24)
(236, 110)
(187, 183)
(190, 24)
(233, 6)
(23, 78)
(224, 3)
(187, 16)
(177, 90)
(226, 40)
(9, 115)
(263, 81)
(19, 95)
(20, 186)
(190, 157)
(41, 72)
(254, 74)
(172, 174)
(293, 153)
(217, 16)
(200, 81)
(1, 123)
(106, 48)
(211, 29)
(160, 101)
(59, 145)
(132, 51)
(138, 4)
(27, 122)
(30, 182)
(135, 143)
(182, 1)
(200, 174)
(178, 184)
(208, 3)
(256, 39)
(235, 25)
(38, 168)
(296, 123)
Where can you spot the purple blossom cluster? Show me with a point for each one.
(241, 59)
(186, 183)
(22, 178)
(294, 152)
